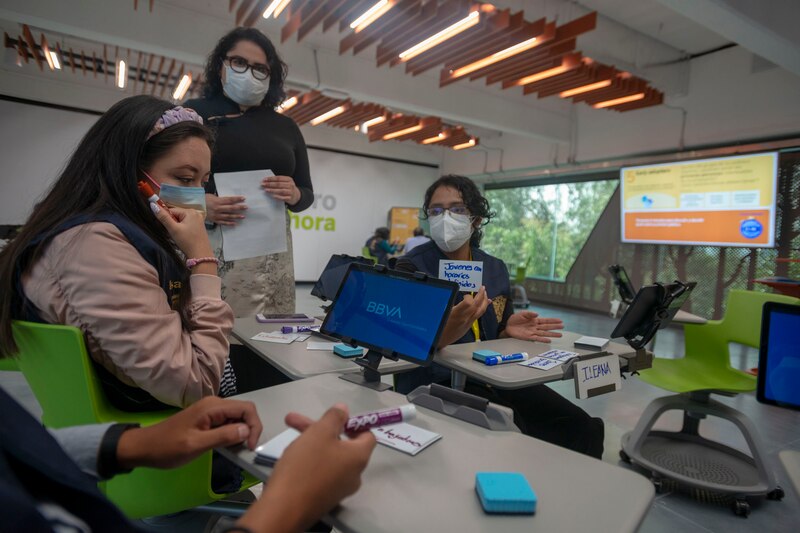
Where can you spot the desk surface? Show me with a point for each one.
(791, 462)
(458, 357)
(435, 490)
(295, 360)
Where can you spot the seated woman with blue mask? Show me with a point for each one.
(456, 210)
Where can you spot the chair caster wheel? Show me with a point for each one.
(776, 494)
(624, 456)
(741, 508)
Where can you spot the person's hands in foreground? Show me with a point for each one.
(529, 326)
(463, 315)
(315, 473)
(210, 423)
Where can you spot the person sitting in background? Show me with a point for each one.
(380, 247)
(456, 210)
(48, 481)
(418, 238)
(138, 280)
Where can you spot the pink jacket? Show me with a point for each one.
(91, 277)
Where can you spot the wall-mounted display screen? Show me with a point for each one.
(726, 201)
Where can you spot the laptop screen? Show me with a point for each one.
(392, 312)
(779, 360)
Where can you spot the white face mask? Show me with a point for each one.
(243, 88)
(450, 231)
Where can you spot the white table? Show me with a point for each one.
(295, 360)
(458, 358)
(435, 490)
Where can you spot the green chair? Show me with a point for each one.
(365, 252)
(57, 367)
(685, 457)
(9, 365)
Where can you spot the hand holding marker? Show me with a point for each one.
(152, 197)
(384, 417)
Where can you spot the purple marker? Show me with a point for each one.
(384, 417)
(298, 329)
(499, 360)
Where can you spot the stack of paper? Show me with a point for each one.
(275, 336)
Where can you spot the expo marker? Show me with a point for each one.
(384, 417)
(499, 360)
(299, 329)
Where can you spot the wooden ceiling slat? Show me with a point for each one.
(432, 19)
(307, 12)
(255, 13)
(138, 73)
(26, 31)
(243, 11)
(105, 62)
(158, 75)
(231, 5)
(517, 66)
(72, 60)
(84, 68)
(380, 28)
(342, 13)
(314, 19)
(167, 77)
(147, 73)
(94, 64)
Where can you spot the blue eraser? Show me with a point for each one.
(505, 492)
(344, 350)
(481, 355)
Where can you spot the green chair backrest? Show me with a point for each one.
(741, 324)
(57, 367)
(366, 252)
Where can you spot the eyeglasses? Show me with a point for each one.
(240, 65)
(454, 210)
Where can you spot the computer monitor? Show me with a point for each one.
(779, 356)
(394, 314)
(331, 278)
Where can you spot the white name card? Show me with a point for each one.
(468, 274)
(597, 376)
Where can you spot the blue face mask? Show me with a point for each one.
(186, 197)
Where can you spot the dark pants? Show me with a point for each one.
(539, 411)
(253, 372)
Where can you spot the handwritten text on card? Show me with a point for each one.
(468, 274)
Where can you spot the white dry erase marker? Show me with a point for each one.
(384, 417)
(499, 360)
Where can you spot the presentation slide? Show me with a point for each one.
(726, 201)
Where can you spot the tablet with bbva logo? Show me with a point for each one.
(398, 314)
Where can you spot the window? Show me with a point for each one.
(543, 228)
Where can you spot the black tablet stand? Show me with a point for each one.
(370, 375)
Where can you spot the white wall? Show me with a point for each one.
(35, 142)
(355, 195)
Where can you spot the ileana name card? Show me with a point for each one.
(405, 437)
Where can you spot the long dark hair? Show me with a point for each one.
(277, 68)
(101, 176)
(477, 204)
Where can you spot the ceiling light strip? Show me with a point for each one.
(585, 88)
(327, 116)
(371, 15)
(400, 133)
(451, 31)
(494, 58)
(468, 144)
(618, 101)
(275, 8)
(183, 86)
(432, 140)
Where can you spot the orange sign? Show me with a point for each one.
(747, 228)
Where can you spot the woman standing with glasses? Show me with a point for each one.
(243, 85)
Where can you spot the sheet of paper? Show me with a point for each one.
(321, 346)
(468, 274)
(263, 230)
(271, 451)
(405, 437)
(541, 363)
(558, 355)
(276, 337)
